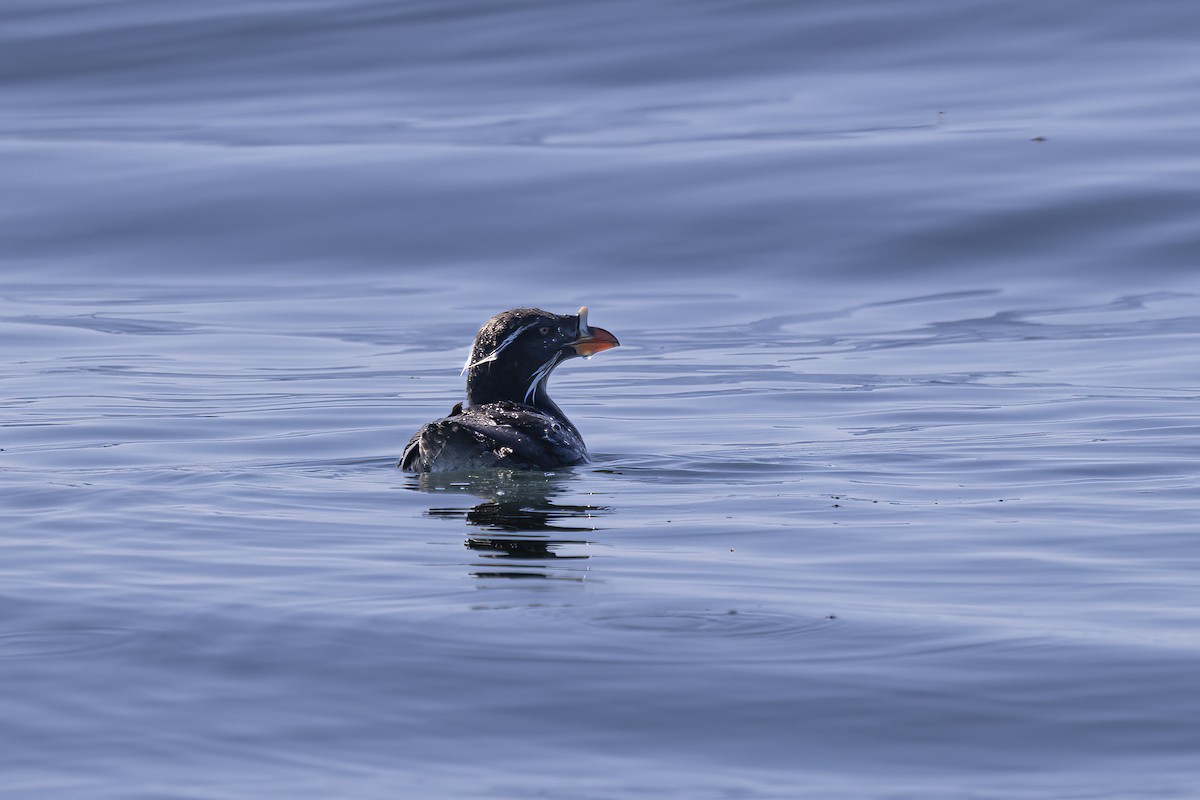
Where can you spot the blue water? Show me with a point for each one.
(895, 489)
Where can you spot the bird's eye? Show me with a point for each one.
(543, 330)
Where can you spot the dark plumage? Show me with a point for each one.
(509, 419)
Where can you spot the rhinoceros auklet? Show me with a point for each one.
(509, 420)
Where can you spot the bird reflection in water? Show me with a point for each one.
(521, 530)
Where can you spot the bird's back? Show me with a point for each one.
(503, 434)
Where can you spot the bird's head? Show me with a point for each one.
(515, 352)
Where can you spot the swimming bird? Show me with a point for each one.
(509, 420)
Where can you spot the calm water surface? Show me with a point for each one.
(894, 491)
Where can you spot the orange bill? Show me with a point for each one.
(596, 340)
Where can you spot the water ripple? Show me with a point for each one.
(730, 623)
(61, 642)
